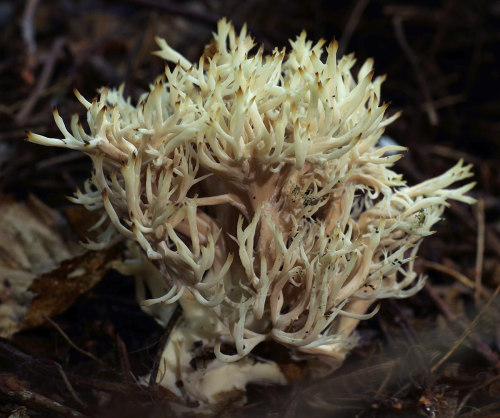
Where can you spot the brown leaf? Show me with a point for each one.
(80, 220)
(30, 245)
(57, 290)
(31, 238)
(34, 244)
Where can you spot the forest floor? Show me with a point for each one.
(81, 347)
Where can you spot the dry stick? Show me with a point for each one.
(60, 159)
(72, 344)
(351, 24)
(67, 382)
(15, 390)
(293, 403)
(442, 23)
(124, 360)
(446, 101)
(490, 410)
(203, 17)
(139, 50)
(27, 25)
(175, 9)
(480, 250)
(14, 356)
(414, 62)
(411, 336)
(350, 382)
(386, 381)
(48, 68)
(493, 241)
(450, 316)
(28, 34)
(453, 154)
(163, 342)
(462, 278)
(472, 391)
(466, 332)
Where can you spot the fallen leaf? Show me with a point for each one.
(57, 290)
(42, 270)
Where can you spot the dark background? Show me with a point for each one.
(442, 64)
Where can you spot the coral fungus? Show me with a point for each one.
(255, 186)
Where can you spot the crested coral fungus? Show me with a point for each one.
(256, 189)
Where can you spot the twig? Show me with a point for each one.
(453, 154)
(204, 17)
(492, 241)
(442, 26)
(71, 343)
(293, 403)
(163, 342)
(28, 34)
(27, 25)
(416, 13)
(14, 356)
(124, 360)
(385, 330)
(397, 22)
(351, 24)
(48, 68)
(177, 10)
(386, 381)
(17, 391)
(480, 346)
(462, 278)
(472, 391)
(446, 101)
(140, 50)
(466, 333)
(450, 316)
(66, 381)
(480, 250)
(59, 159)
(411, 336)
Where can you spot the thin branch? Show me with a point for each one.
(205, 17)
(59, 159)
(66, 381)
(473, 390)
(124, 360)
(175, 9)
(446, 101)
(28, 34)
(17, 391)
(466, 333)
(43, 81)
(72, 344)
(480, 250)
(453, 154)
(351, 24)
(462, 278)
(163, 342)
(397, 22)
(443, 307)
(27, 28)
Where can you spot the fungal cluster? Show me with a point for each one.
(261, 202)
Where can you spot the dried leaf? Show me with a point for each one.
(57, 290)
(80, 220)
(34, 245)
